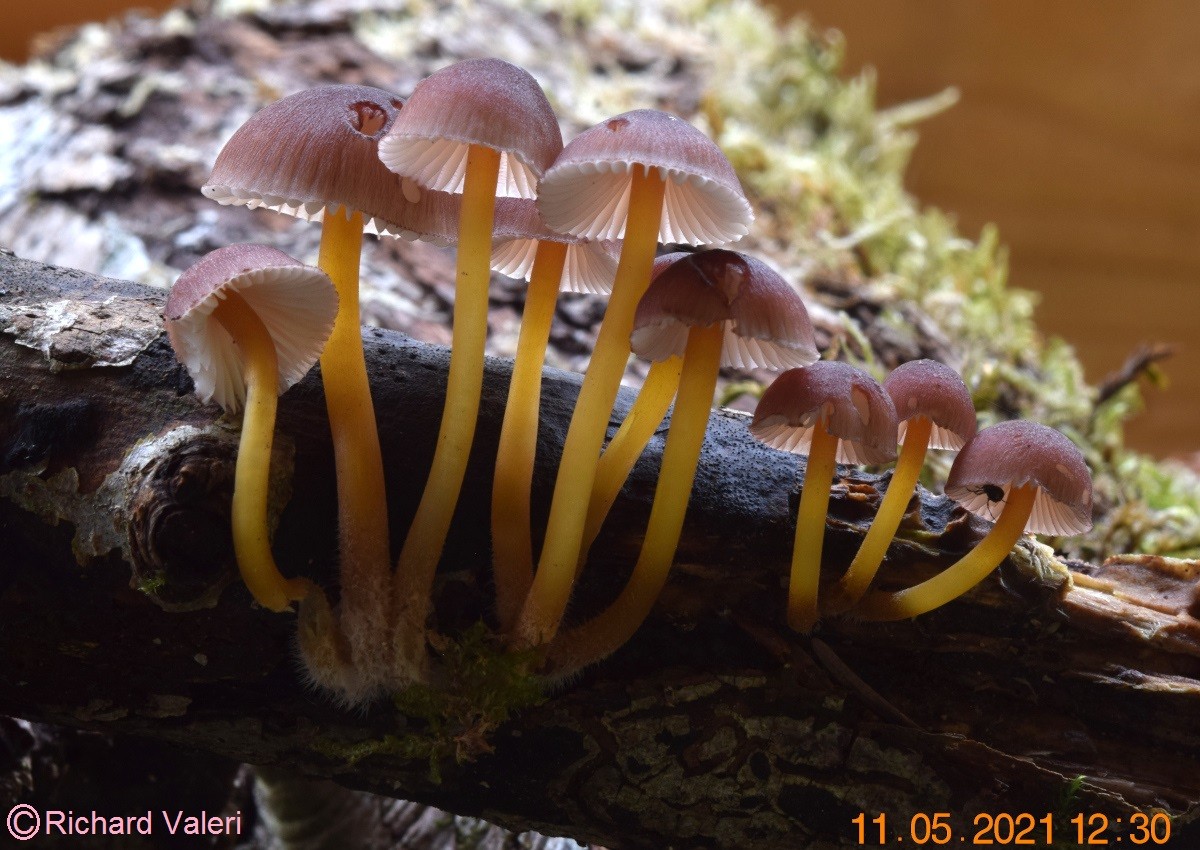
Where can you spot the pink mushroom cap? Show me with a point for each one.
(933, 390)
(1013, 454)
(766, 323)
(849, 403)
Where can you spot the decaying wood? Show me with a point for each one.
(714, 727)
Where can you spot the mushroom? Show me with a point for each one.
(831, 412)
(634, 433)
(524, 247)
(481, 128)
(645, 176)
(1033, 476)
(716, 308)
(248, 321)
(314, 155)
(627, 444)
(935, 411)
(769, 329)
(519, 232)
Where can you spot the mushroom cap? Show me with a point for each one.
(586, 191)
(485, 102)
(297, 303)
(1013, 454)
(663, 261)
(590, 265)
(766, 323)
(315, 152)
(933, 390)
(852, 405)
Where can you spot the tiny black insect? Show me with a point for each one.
(993, 493)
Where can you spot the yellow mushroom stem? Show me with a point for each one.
(805, 580)
(427, 534)
(365, 556)
(512, 543)
(964, 573)
(626, 446)
(555, 575)
(610, 629)
(252, 475)
(899, 493)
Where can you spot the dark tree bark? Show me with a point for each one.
(714, 727)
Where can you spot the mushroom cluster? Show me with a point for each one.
(475, 158)
(1023, 476)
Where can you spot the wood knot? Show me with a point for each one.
(179, 531)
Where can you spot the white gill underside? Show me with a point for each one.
(441, 164)
(939, 437)
(1049, 515)
(312, 210)
(294, 306)
(592, 201)
(777, 433)
(586, 268)
(658, 342)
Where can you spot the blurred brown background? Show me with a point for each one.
(24, 20)
(1078, 133)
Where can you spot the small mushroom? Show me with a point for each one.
(935, 411)
(524, 247)
(248, 321)
(518, 233)
(643, 176)
(634, 433)
(831, 412)
(716, 308)
(1021, 475)
(769, 328)
(479, 128)
(314, 155)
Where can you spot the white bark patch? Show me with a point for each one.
(101, 519)
(83, 334)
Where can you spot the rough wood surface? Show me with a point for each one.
(715, 727)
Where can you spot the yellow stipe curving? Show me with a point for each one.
(252, 476)
(512, 544)
(609, 630)
(874, 547)
(802, 613)
(555, 576)
(965, 573)
(365, 557)
(626, 446)
(427, 534)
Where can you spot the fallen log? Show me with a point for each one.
(1047, 691)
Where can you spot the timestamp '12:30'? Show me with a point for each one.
(1022, 829)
